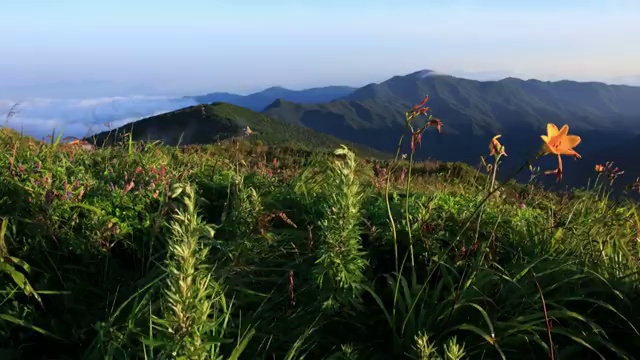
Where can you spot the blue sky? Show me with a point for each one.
(194, 46)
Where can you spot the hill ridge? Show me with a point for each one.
(219, 121)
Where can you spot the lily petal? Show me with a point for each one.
(552, 130)
(571, 141)
(564, 130)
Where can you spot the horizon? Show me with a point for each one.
(631, 80)
(79, 117)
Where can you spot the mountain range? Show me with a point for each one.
(607, 117)
(260, 100)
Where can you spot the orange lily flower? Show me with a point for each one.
(599, 168)
(559, 142)
(495, 147)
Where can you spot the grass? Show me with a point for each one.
(239, 251)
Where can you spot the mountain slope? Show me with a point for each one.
(472, 112)
(260, 100)
(203, 124)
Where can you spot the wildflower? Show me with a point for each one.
(599, 168)
(416, 134)
(611, 172)
(435, 123)
(416, 138)
(79, 143)
(129, 187)
(495, 148)
(419, 109)
(558, 142)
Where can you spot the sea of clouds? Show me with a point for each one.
(37, 117)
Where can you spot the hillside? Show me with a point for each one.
(146, 251)
(260, 100)
(472, 112)
(205, 124)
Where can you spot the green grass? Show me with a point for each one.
(253, 251)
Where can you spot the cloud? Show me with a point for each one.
(38, 117)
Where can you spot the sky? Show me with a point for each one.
(192, 46)
(71, 58)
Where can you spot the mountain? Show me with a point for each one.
(205, 124)
(260, 100)
(473, 112)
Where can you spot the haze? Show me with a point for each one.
(192, 46)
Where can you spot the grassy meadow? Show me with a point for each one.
(250, 251)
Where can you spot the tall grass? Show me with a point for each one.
(195, 311)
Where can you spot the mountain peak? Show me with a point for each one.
(275, 91)
(424, 73)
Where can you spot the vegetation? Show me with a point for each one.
(219, 122)
(245, 251)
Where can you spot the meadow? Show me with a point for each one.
(244, 250)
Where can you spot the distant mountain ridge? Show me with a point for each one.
(472, 112)
(260, 100)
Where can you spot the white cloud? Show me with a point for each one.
(37, 117)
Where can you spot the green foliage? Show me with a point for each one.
(254, 250)
(195, 307)
(341, 263)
